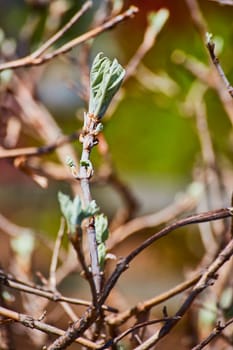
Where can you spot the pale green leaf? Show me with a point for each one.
(105, 79)
(101, 228)
(101, 254)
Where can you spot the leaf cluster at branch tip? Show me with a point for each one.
(105, 79)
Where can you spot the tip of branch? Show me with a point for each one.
(133, 10)
(209, 39)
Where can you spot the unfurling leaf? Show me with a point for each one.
(73, 211)
(105, 79)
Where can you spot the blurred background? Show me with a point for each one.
(152, 133)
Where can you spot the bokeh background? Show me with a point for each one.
(152, 139)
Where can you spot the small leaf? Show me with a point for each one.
(101, 228)
(101, 254)
(92, 209)
(70, 162)
(66, 206)
(73, 211)
(105, 78)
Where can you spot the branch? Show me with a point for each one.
(208, 279)
(211, 46)
(187, 201)
(12, 283)
(194, 219)
(146, 305)
(62, 31)
(31, 61)
(132, 329)
(38, 151)
(216, 332)
(30, 322)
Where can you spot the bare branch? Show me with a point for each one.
(62, 31)
(10, 282)
(31, 323)
(38, 151)
(194, 219)
(211, 46)
(208, 278)
(31, 61)
(146, 305)
(215, 333)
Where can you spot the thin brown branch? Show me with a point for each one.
(208, 76)
(39, 151)
(62, 31)
(75, 330)
(148, 42)
(184, 203)
(211, 48)
(208, 279)
(31, 61)
(76, 241)
(215, 333)
(12, 283)
(132, 329)
(194, 219)
(31, 323)
(197, 17)
(147, 305)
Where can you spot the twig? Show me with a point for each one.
(30, 322)
(208, 278)
(6, 341)
(148, 42)
(224, 2)
(76, 241)
(56, 297)
(211, 46)
(146, 305)
(197, 17)
(88, 139)
(184, 203)
(53, 266)
(75, 330)
(38, 151)
(194, 219)
(31, 61)
(132, 329)
(62, 31)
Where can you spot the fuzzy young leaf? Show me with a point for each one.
(101, 228)
(105, 79)
(73, 211)
(101, 254)
(66, 206)
(87, 212)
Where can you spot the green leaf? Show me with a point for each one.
(101, 228)
(105, 79)
(73, 211)
(66, 206)
(101, 254)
